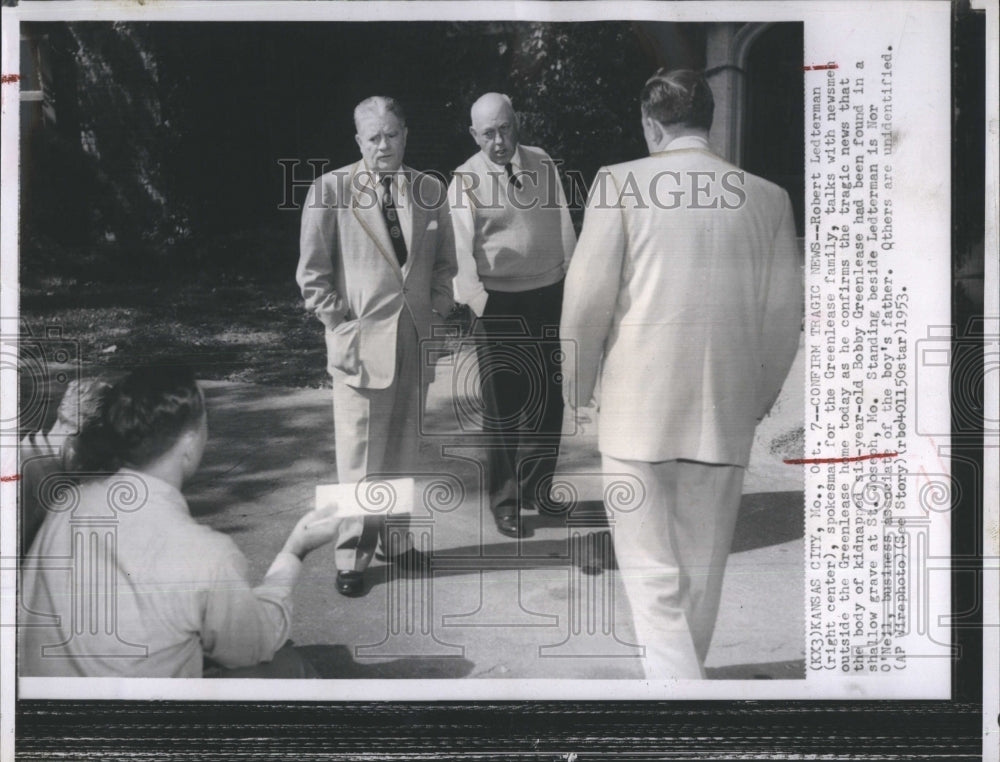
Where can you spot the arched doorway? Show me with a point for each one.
(756, 75)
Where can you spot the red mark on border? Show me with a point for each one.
(9, 79)
(11, 478)
(820, 67)
(808, 461)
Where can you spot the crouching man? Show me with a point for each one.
(134, 586)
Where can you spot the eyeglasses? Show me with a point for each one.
(504, 130)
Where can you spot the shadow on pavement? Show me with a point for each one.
(769, 518)
(586, 513)
(775, 670)
(334, 662)
(765, 519)
(256, 448)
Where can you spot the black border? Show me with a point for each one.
(620, 731)
(579, 731)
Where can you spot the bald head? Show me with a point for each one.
(494, 126)
(491, 105)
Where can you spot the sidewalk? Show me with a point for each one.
(494, 607)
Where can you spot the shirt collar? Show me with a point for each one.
(686, 141)
(147, 486)
(401, 178)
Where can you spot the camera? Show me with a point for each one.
(959, 363)
(46, 363)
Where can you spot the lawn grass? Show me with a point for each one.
(231, 328)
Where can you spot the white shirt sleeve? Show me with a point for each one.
(468, 288)
(244, 626)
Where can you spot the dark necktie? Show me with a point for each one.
(511, 176)
(392, 221)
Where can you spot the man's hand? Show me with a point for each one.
(570, 397)
(461, 316)
(312, 531)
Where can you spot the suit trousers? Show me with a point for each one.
(376, 433)
(522, 394)
(671, 552)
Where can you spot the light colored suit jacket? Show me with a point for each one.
(692, 312)
(350, 277)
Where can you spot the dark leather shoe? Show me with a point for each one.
(350, 583)
(508, 526)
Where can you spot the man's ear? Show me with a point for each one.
(187, 443)
(357, 139)
(472, 131)
(191, 448)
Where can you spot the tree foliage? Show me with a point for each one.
(163, 137)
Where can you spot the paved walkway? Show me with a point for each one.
(494, 607)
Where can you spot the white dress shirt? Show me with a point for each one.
(180, 590)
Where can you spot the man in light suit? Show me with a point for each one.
(513, 241)
(376, 260)
(685, 295)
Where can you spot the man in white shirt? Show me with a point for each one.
(129, 583)
(513, 241)
(685, 296)
(376, 261)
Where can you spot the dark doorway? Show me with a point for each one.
(773, 141)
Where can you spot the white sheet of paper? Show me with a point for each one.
(370, 497)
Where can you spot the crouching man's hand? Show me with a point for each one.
(312, 531)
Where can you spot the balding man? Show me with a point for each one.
(685, 295)
(377, 259)
(513, 241)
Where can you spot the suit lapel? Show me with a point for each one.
(418, 216)
(365, 206)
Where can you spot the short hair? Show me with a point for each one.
(142, 417)
(680, 96)
(378, 104)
